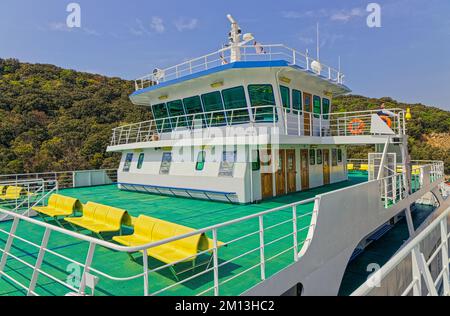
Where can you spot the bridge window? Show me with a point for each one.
(160, 114)
(227, 164)
(339, 155)
(285, 97)
(212, 102)
(312, 157)
(325, 108)
(127, 163)
(194, 110)
(165, 163)
(317, 106)
(140, 160)
(234, 98)
(262, 100)
(200, 161)
(176, 112)
(297, 100)
(319, 156)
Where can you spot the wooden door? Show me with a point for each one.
(304, 168)
(291, 171)
(281, 173)
(266, 176)
(326, 166)
(307, 117)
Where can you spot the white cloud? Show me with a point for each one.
(157, 24)
(186, 24)
(347, 15)
(62, 27)
(334, 15)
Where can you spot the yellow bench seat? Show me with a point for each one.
(148, 230)
(59, 205)
(99, 218)
(12, 193)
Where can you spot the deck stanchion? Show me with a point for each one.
(445, 258)
(39, 261)
(261, 248)
(145, 263)
(294, 229)
(215, 262)
(87, 266)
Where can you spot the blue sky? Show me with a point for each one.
(408, 58)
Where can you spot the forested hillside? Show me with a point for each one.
(55, 119)
(58, 119)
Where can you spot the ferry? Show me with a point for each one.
(239, 184)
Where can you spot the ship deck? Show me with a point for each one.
(192, 213)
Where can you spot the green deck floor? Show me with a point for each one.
(188, 212)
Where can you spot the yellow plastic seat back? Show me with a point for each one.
(162, 230)
(143, 226)
(189, 244)
(89, 210)
(14, 191)
(115, 216)
(53, 201)
(350, 166)
(101, 211)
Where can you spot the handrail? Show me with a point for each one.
(220, 57)
(412, 248)
(289, 122)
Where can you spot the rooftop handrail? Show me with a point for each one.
(294, 57)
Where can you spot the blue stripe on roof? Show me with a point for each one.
(235, 65)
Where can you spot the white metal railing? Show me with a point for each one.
(251, 250)
(32, 193)
(65, 179)
(248, 53)
(280, 234)
(290, 121)
(424, 279)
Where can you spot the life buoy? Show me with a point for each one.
(356, 126)
(387, 120)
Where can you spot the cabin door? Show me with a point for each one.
(304, 168)
(307, 117)
(281, 173)
(326, 166)
(266, 177)
(291, 171)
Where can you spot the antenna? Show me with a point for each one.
(318, 44)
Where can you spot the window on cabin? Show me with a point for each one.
(194, 110)
(227, 164)
(317, 106)
(339, 155)
(234, 98)
(165, 163)
(160, 114)
(285, 98)
(334, 160)
(312, 157)
(262, 100)
(176, 112)
(297, 100)
(325, 108)
(319, 156)
(212, 102)
(127, 162)
(256, 163)
(200, 161)
(140, 160)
